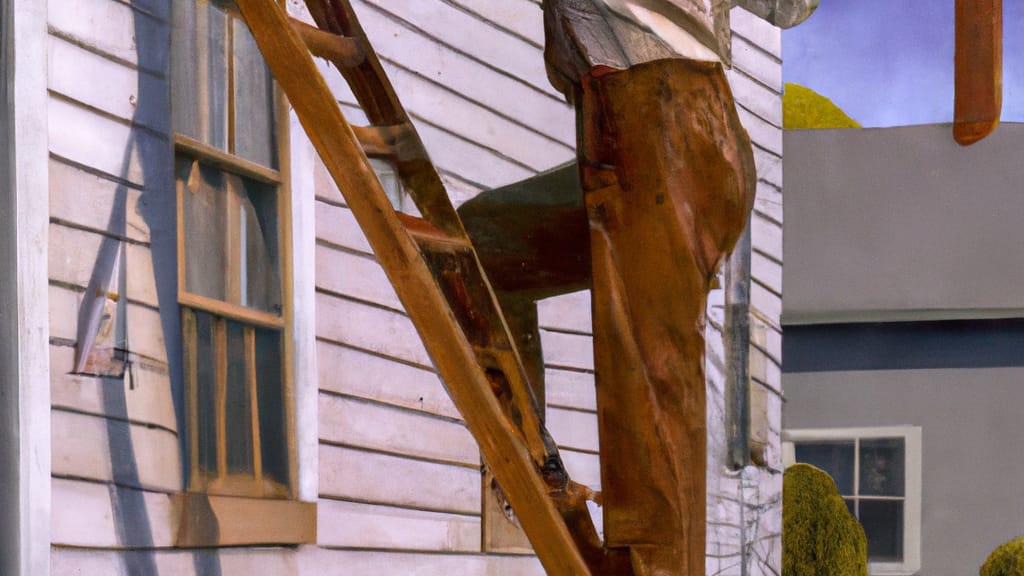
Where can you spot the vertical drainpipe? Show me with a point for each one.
(737, 353)
(737, 380)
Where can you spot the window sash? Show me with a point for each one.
(280, 479)
(912, 483)
(222, 480)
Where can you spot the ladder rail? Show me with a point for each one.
(502, 444)
(379, 101)
(388, 117)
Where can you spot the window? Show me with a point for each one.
(878, 474)
(232, 256)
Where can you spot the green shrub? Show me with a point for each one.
(819, 535)
(1006, 560)
(803, 108)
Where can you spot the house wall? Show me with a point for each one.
(908, 226)
(972, 499)
(903, 267)
(24, 362)
(471, 74)
(398, 481)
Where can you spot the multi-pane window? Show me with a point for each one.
(877, 472)
(231, 277)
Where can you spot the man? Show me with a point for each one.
(668, 178)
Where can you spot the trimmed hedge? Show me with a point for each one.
(1006, 560)
(819, 535)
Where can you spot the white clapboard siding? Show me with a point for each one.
(145, 339)
(767, 236)
(357, 276)
(384, 563)
(765, 301)
(481, 82)
(566, 312)
(110, 27)
(569, 389)
(147, 336)
(122, 149)
(762, 133)
(95, 203)
(86, 446)
(755, 62)
(336, 225)
(369, 328)
(73, 72)
(87, 514)
(766, 271)
(349, 474)
(470, 161)
(146, 392)
(73, 260)
(363, 424)
(568, 349)
(357, 373)
(769, 165)
(756, 31)
(583, 467)
(573, 429)
(521, 17)
(229, 562)
(472, 36)
(755, 96)
(769, 201)
(357, 525)
(441, 107)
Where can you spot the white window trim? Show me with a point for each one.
(912, 487)
(306, 384)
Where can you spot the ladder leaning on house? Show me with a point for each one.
(433, 267)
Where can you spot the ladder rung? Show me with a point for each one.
(342, 50)
(396, 141)
(430, 237)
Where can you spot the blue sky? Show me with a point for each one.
(890, 62)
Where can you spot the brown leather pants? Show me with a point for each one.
(669, 180)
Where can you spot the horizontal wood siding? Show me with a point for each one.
(116, 452)
(744, 508)
(471, 74)
(399, 473)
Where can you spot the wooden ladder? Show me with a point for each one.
(432, 265)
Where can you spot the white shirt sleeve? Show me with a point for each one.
(672, 33)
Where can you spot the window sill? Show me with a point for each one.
(891, 570)
(211, 521)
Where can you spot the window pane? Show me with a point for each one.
(270, 384)
(881, 467)
(389, 181)
(835, 458)
(213, 59)
(206, 395)
(883, 524)
(851, 505)
(199, 84)
(260, 280)
(254, 101)
(239, 418)
(185, 83)
(204, 212)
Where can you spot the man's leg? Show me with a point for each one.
(669, 179)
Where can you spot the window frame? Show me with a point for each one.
(185, 146)
(911, 436)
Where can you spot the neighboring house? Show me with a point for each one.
(233, 386)
(902, 319)
(902, 308)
